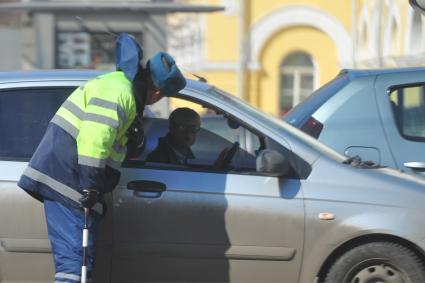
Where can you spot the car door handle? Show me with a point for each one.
(415, 165)
(147, 189)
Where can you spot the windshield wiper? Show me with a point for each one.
(356, 161)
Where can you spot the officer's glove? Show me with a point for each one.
(136, 138)
(89, 198)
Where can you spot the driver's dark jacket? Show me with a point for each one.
(164, 153)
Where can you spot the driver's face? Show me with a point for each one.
(184, 133)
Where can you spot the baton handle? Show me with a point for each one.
(85, 245)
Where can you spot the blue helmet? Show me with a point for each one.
(165, 74)
(128, 55)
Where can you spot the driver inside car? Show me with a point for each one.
(175, 147)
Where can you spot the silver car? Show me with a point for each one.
(285, 208)
(378, 115)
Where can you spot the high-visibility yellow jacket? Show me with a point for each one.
(98, 115)
(85, 142)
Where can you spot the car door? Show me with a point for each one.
(25, 111)
(401, 103)
(25, 254)
(179, 223)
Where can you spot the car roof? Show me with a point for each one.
(302, 112)
(48, 75)
(355, 73)
(72, 75)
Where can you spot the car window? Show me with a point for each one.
(255, 155)
(231, 131)
(408, 106)
(217, 133)
(24, 115)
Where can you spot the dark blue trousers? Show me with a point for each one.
(65, 229)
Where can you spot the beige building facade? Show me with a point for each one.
(274, 53)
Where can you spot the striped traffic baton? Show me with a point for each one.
(85, 244)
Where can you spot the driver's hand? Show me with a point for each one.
(218, 164)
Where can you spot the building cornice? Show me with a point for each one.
(122, 6)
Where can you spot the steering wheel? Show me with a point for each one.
(229, 155)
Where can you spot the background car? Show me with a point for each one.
(378, 115)
(286, 209)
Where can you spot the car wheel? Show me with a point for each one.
(384, 262)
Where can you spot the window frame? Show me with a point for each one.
(140, 164)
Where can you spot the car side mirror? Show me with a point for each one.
(273, 163)
(418, 5)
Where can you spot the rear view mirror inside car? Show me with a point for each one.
(233, 124)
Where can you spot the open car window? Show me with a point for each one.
(255, 154)
(217, 133)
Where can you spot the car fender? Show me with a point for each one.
(387, 223)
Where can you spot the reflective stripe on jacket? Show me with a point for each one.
(98, 115)
(84, 142)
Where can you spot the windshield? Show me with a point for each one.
(298, 115)
(277, 124)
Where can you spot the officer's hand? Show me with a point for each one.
(89, 198)
(135, 133)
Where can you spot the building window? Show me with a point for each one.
(297, 79)
(185, 40)
(94, 50)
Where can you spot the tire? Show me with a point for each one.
(375, 262)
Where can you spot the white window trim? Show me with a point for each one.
(299, 15)
(393, 18)
(409, 33)
(374, 33)
(232, 7)
(364, 27)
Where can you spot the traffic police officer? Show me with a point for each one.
(84, 145)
